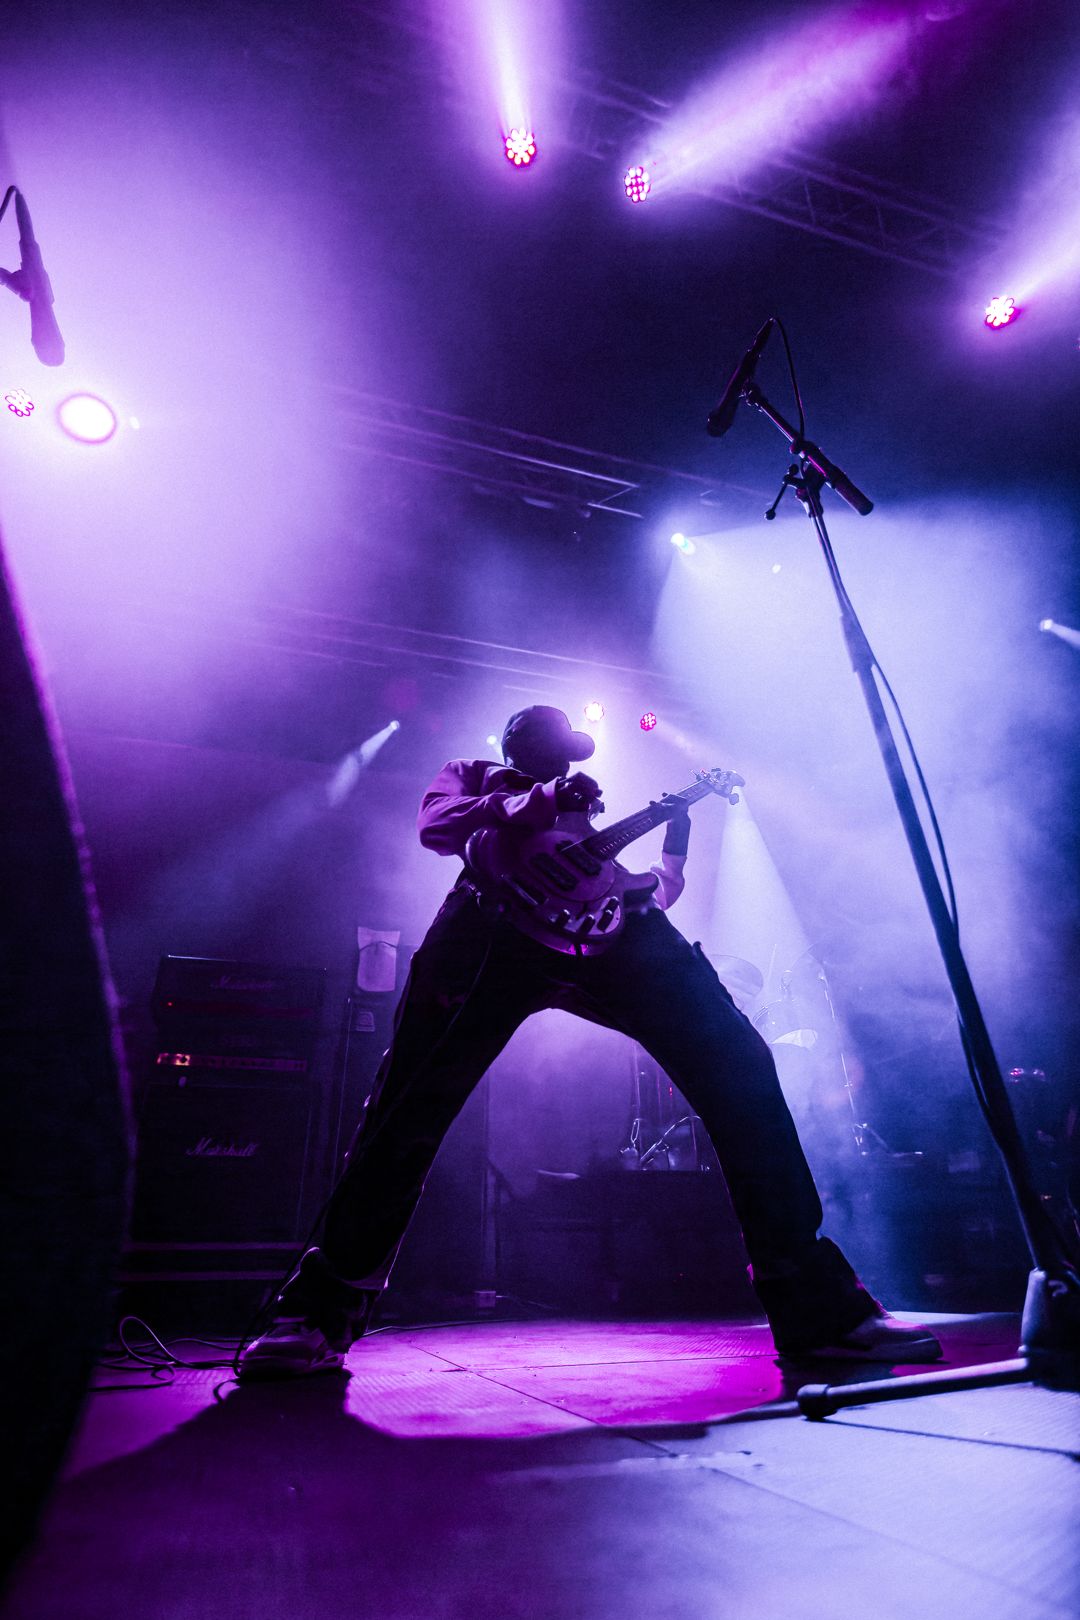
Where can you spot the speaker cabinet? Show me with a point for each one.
(222, 1158)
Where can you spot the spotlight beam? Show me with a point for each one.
(349, 770)
(1063, 632)
(808, 79)
(1041, 249)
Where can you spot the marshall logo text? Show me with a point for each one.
(208, 1147)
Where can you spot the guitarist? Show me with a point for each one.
(474, 979)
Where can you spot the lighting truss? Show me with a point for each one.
(844, 206)
(616, 124)
(609, 122)
(376, 651)
(501, 460)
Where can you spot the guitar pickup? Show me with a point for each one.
(581, 858)
(552, 869)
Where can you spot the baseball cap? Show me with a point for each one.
(550, 726)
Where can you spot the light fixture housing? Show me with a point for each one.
(87, 418)
(520, 147)
(637, 183)
(1002, 310)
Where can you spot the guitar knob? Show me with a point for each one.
(607, 916)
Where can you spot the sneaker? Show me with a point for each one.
(290, 1348)
(317, 1316)
(878, 1338)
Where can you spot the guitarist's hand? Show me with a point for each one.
(677, 837)
(575, 792)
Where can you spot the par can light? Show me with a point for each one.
(637, 183)
(1000, 311)
(87, 418)
(520, 147)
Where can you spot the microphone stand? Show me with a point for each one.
(1049, 1350)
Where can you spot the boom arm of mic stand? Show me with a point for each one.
(833, 475)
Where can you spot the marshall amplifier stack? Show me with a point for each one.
(228, 1174)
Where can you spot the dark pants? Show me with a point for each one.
(474, 979)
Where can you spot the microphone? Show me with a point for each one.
(722, 417)
(31, 283)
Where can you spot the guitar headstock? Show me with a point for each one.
(723, 782)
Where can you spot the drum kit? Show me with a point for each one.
(800, 1026)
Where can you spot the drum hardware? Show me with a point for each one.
(741, 979)
(653, 1098)
(663, 1145)
(870, 1142)
(803, 1020)
(665, 1149)
(653, 1102)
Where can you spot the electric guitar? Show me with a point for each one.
(562, 887)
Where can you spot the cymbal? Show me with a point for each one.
(802, 1038)
(840, 945)
(786, 1019)
(807, 972)
(745, 974)
(812, 961)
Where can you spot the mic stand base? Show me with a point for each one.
(1049, 1356)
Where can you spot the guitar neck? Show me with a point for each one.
(607, 843)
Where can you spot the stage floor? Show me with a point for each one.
(565, 1469)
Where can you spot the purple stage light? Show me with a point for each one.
(683, 543)
(648, 721)
(594, 712)
(18, 402)
(87, 418)
(520, 147)
(1000, 311)
(637, 184)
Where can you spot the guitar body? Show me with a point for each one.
(574, 903)
(563, 887)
